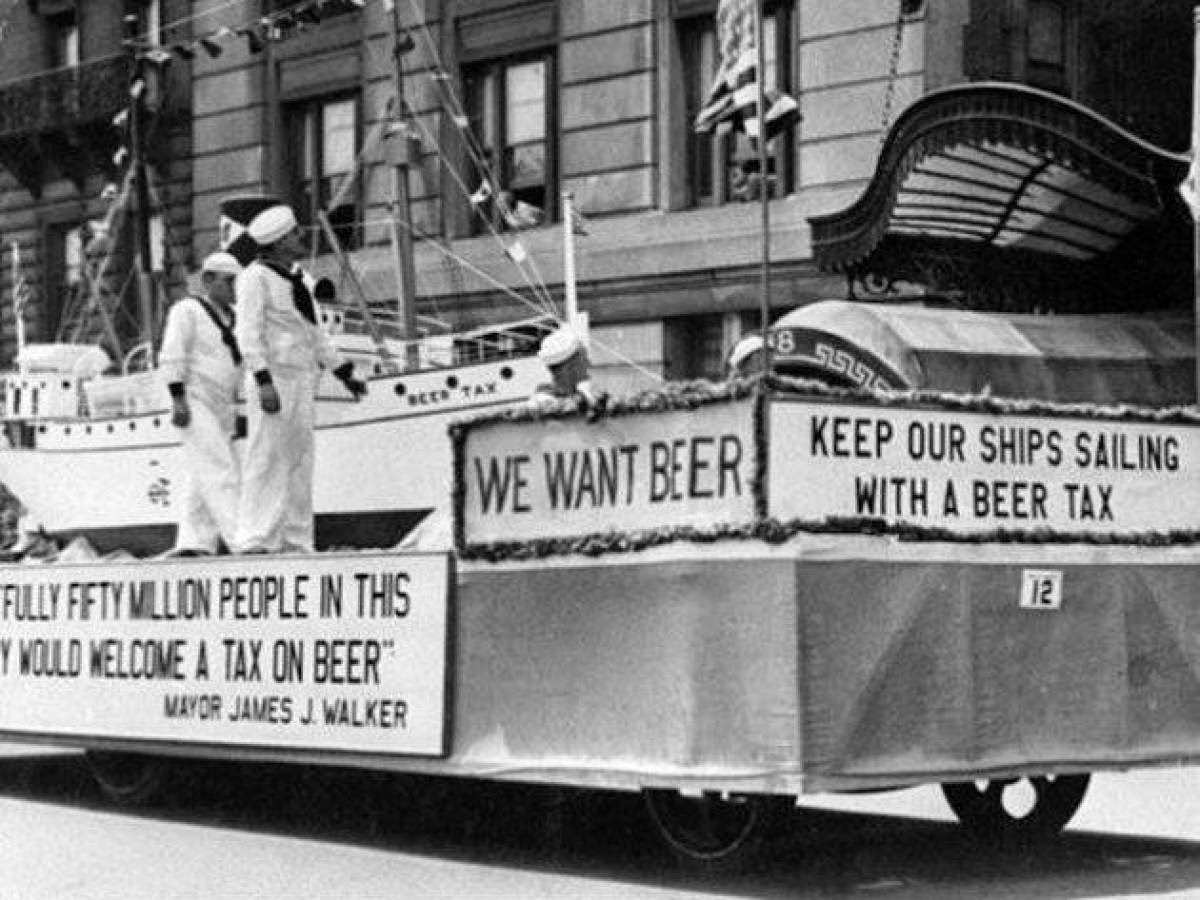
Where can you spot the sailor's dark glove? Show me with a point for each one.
(595, 406)
(181, 414)
(268, 397)
(323, 291)
(345, 374)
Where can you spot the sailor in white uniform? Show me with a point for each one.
(285, 349)
(566, 359)
(746, 357)
(201, 365)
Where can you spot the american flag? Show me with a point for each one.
(732, 103)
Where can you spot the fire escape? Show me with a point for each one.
(63, 119)
(68, 123)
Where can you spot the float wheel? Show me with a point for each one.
(981, 806)
(127, 778)
(715, 832)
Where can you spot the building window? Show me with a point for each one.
(693, 347)
(311, 10)
(157, 229)
(723, 169)
(1135, 64)
(510, 110)
(1047, 30)
(64, 41)
(65, 274)
(322, 145)
(73, 241)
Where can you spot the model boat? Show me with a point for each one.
(95, 455)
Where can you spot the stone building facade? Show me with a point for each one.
(594, 97)
(64, 82)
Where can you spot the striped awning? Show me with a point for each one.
(1000, 166)
(1144, 359)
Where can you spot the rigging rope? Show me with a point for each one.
(172, 257)
(475, 152)
(480, 273)
(521, 298)
(99, 272)
(452, 102)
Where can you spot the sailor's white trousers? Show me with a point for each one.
(275, 510)
(208, 501)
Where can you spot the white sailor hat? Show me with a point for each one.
(222, 263)
(272, 224)
(743, 349)
(559, 346)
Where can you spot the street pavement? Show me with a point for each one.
(233, 831)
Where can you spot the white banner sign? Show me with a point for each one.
(337, 651)
(978, 472)
(568, 477)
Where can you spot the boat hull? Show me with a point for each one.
(381, 464)
(333, 530)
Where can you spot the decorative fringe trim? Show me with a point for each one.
(773, 531)
(985, 403)
(681, 395)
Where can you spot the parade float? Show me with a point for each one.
(943, 540)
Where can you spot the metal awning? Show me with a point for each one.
(1000, 167)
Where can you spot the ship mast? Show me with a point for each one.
(1192, 172)
(18, 297)
(141, 206)
(403, 151)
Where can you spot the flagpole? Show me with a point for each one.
(1195, 150)
(762, 503)
(764, 313)
(570, 297)
(143, 262)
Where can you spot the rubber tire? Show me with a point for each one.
(127, 779)
(983, 815)
(714, 835)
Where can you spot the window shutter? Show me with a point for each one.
(686, 9)
(987, 41)
(503, 32)
(320, 74)
(54, 7)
